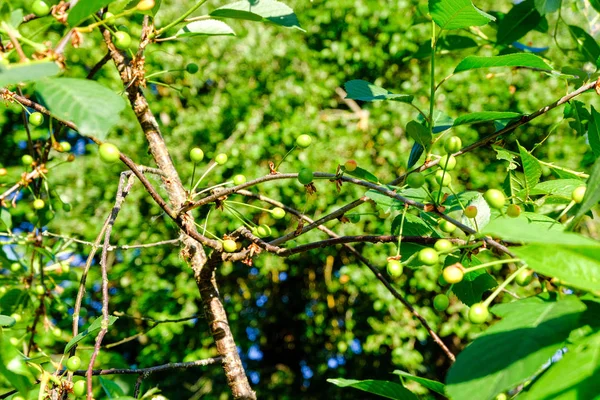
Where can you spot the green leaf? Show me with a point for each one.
(531, 167)
(594, 132)
(514, 349)
(415, 153)
(595, 4)
(390, 390)
(89, 105)
(413, 226)
(484, 212)
(27, 72)
(207, 27)
(419, 133)
(524, 60)
(84, 9)
(557, 187)
(578, 266)
(592, 193)
(547, 6)
(263, 10)
(362, 173)
(484, 116)
(91, 330)
(112, 389)
(521, 19)
(386, 202)
(13, 367)
(587, 45)
(457, 14)
(6, 321)
(526, 230)
(575, 376)
(6, 218)
(16, 18)
(474, 284)
(576, 111)
(364, 91)
(436, 386)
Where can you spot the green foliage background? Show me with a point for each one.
(322, 311)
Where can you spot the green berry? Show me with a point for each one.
(303, 141)
(108, 15)
(65, 147)
(40, 8)
(196, 155)
(109, 153)
(442, 177)
(145, 5)
(122, 40)
(428, 256)
(229, 246)
(79, 388)
(452, 144)
(354, 218)
(18, 397)
(27, 160)
(66, 207)
(513, 210)
(578, 194)
(192, 68)
(394, 268)
(239, 179)
(38, 204)
(350, 165)
(36, 119)
(441, 302)
(56, 332)
(447, 226)
(448, 162)
(16, 317)
(305, 176)
(415, 180)
(15, 267)
(221, 158)
(443, 246)
(39, 290)
(263, 231)
(278, 213)
(73, 363)
(495, 198)
(471, 212)
(454, 273)
(524, 277)
(478, 313)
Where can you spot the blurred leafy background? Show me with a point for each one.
(314, 316)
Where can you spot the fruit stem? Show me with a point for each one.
(562, 214)
(247, 205)
(489, 264)
(284, 157)
(164, 72)
(210, 168)
(508, 280)
(207, 231)
(239, 216)
(401, 229)
(91, 27)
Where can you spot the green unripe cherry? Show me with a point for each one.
(478, 313)
(239, 179)
(15, 267)
(441, 302)
(428, 256)
(109, 153)
(524, 277)
(36, 119)
(229, 246)
(495, 198)
(442, 177)
(122, 40)
(415, 180)
(40, 8)
(303, 141)
(471, 212)
(453, 273)
(513, 210)
(65, 147)
(38, 204)
(39, 290)
(350, 165)
(305, 176)
(73, 363)
(79, 388)
(221, 158)
(394, 268)
(278, 213)
(452, 144)
(447, 226)
(448, 162)
(192, 68)
(196, 155)
(443, 246)
(27, 160)
(578, 194)
(263, 231)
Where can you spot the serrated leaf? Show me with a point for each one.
(27, 72)
(531, 168)
(6, 321)
(358, 89)
(547, 6)
(575, 376)
(576, 111)
(436, 386)
(413, 226)
(390, 390)
(84, 9)
(91, 330)
(453, 202)
(523, 60)
(587, 45)
(485, 116)
(592, 193)
(457, 14)
(594, 132)
(514, 349)
(208, 27)
(93, 108)
(263, 10)
(557, 187)
(419, 133)
(503, 154)
(521, 19)
(361, 173)
(415, 153)
(6, 218)
(474, 284)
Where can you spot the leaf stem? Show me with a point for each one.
(508, 280)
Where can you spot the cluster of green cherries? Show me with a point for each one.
(453, 274)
